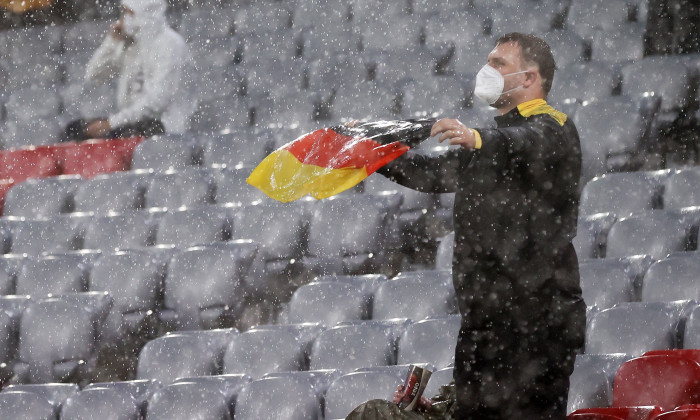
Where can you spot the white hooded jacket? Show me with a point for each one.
(154, 72)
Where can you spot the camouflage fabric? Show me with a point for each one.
(442, 409)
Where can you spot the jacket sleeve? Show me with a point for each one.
(159, 89)
(106, 62)
(424, 173)
(542, 139)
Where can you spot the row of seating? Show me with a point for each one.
(294, 395)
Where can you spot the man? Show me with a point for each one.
(515, 271)
(153, 64)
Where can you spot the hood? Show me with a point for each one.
(149, 15)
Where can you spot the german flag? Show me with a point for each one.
(331, 160)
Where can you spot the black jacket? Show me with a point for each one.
(515, 212)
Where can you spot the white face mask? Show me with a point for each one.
(490, 83)
(131, 25)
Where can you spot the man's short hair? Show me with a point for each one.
(534, 50)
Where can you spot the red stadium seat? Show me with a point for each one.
(623, 413)
(5, 185)
(692, 354)
(98, 156)
(664, 380)
(689, 414)
(31, 162)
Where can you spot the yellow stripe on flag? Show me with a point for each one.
(284, 178)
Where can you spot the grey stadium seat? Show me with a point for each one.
(166, 151)
(605, 283)
(680, 189)
(262, 18)
(351, 390)
(592, 235)
(101, 403)
(232, 187)
(620, 46)
(57, 342)
(40, 277)
(338, 246)
(238, 148)
(10, 266)
(185, 400)
(139, 389)
(567, 48)
(205, 286)
(430, 341)
(183, 188)
(415, 295)
(110, 193)
(182, 355)
(328, 303)
(135, 280)
(430, 95)
(349, 347)
(40, 198)
(622, 193)
(589, 17)
(606, 147)
(128, 230)
(222, 113)
(305, 333)
(673, 278)
(229, 385)
(25, 406)
(589, 388)
(257, 352)
(55, 393)
(289, 397)
(637, 327)
(656, 233)
(438, 379)
(36, 237)
(196, 226)
(584, 82)
(691, 338)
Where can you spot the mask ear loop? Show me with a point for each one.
(517, 87)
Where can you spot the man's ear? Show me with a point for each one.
(531, 78)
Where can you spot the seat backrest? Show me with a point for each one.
(430, 341)
(184, 188)
(674, 278)
(353, 389)
(232, 187)
(129, 230)
(34, 237)
(667, 77)
(656, 233)
(164, 152)
(621, 193)
(109, 193)
(197, 226)
(40, 277)
(397, 298)
(109, 402)
(327, 303)
(592, 235)
(25, 406)
(605, 283)
(238, 148)
(691, 337)
(289, 397)
(679, 189)
(588, 388)
(585, 81)
(257, 352)
(349, 347)
(187, 400)
(36, 198)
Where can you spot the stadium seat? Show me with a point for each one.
(691, 338)
(280, 230)
(183, 354)
(374, 33)
(656, 233)
(353, 389)
(194, 226)
(41, 277)
(639, 382)
(372, 99)
(568, 48)
(328, 303)
(605, 283)
(349, 347)
(679, 191)
(531, 19)
(37, 237)
(205, 286)
(219, 114)
(184, 188)
(94, 157)
(139, 389)
(399, 297)
(41, 198)
(445, 249)
(22, 164)
(211, 22)
(257, 352)
(584, 81)
(620, 46)
(589, 17)
(616, 413)
(135, 280)
(233, 188)
(431, 341)
(262, 18)
(605, 148)
(290, 397)
(623, 193)
(589, 388)
(168, 151)
(55, 393)
(674, 278)
(111, 193)
(592, 235)
(102, 403)
(679, 414)
(57, 342)
(636, 327)
(10, 266)
(237, 148)
(229, 385)
(25, 406)
(186, 400)
(128, 230)
(438, 379)
(338, 246)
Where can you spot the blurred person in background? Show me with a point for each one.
(153, 64)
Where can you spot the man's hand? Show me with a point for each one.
(98, 129)
(455, 132)
(117, 31)
(424, 404)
